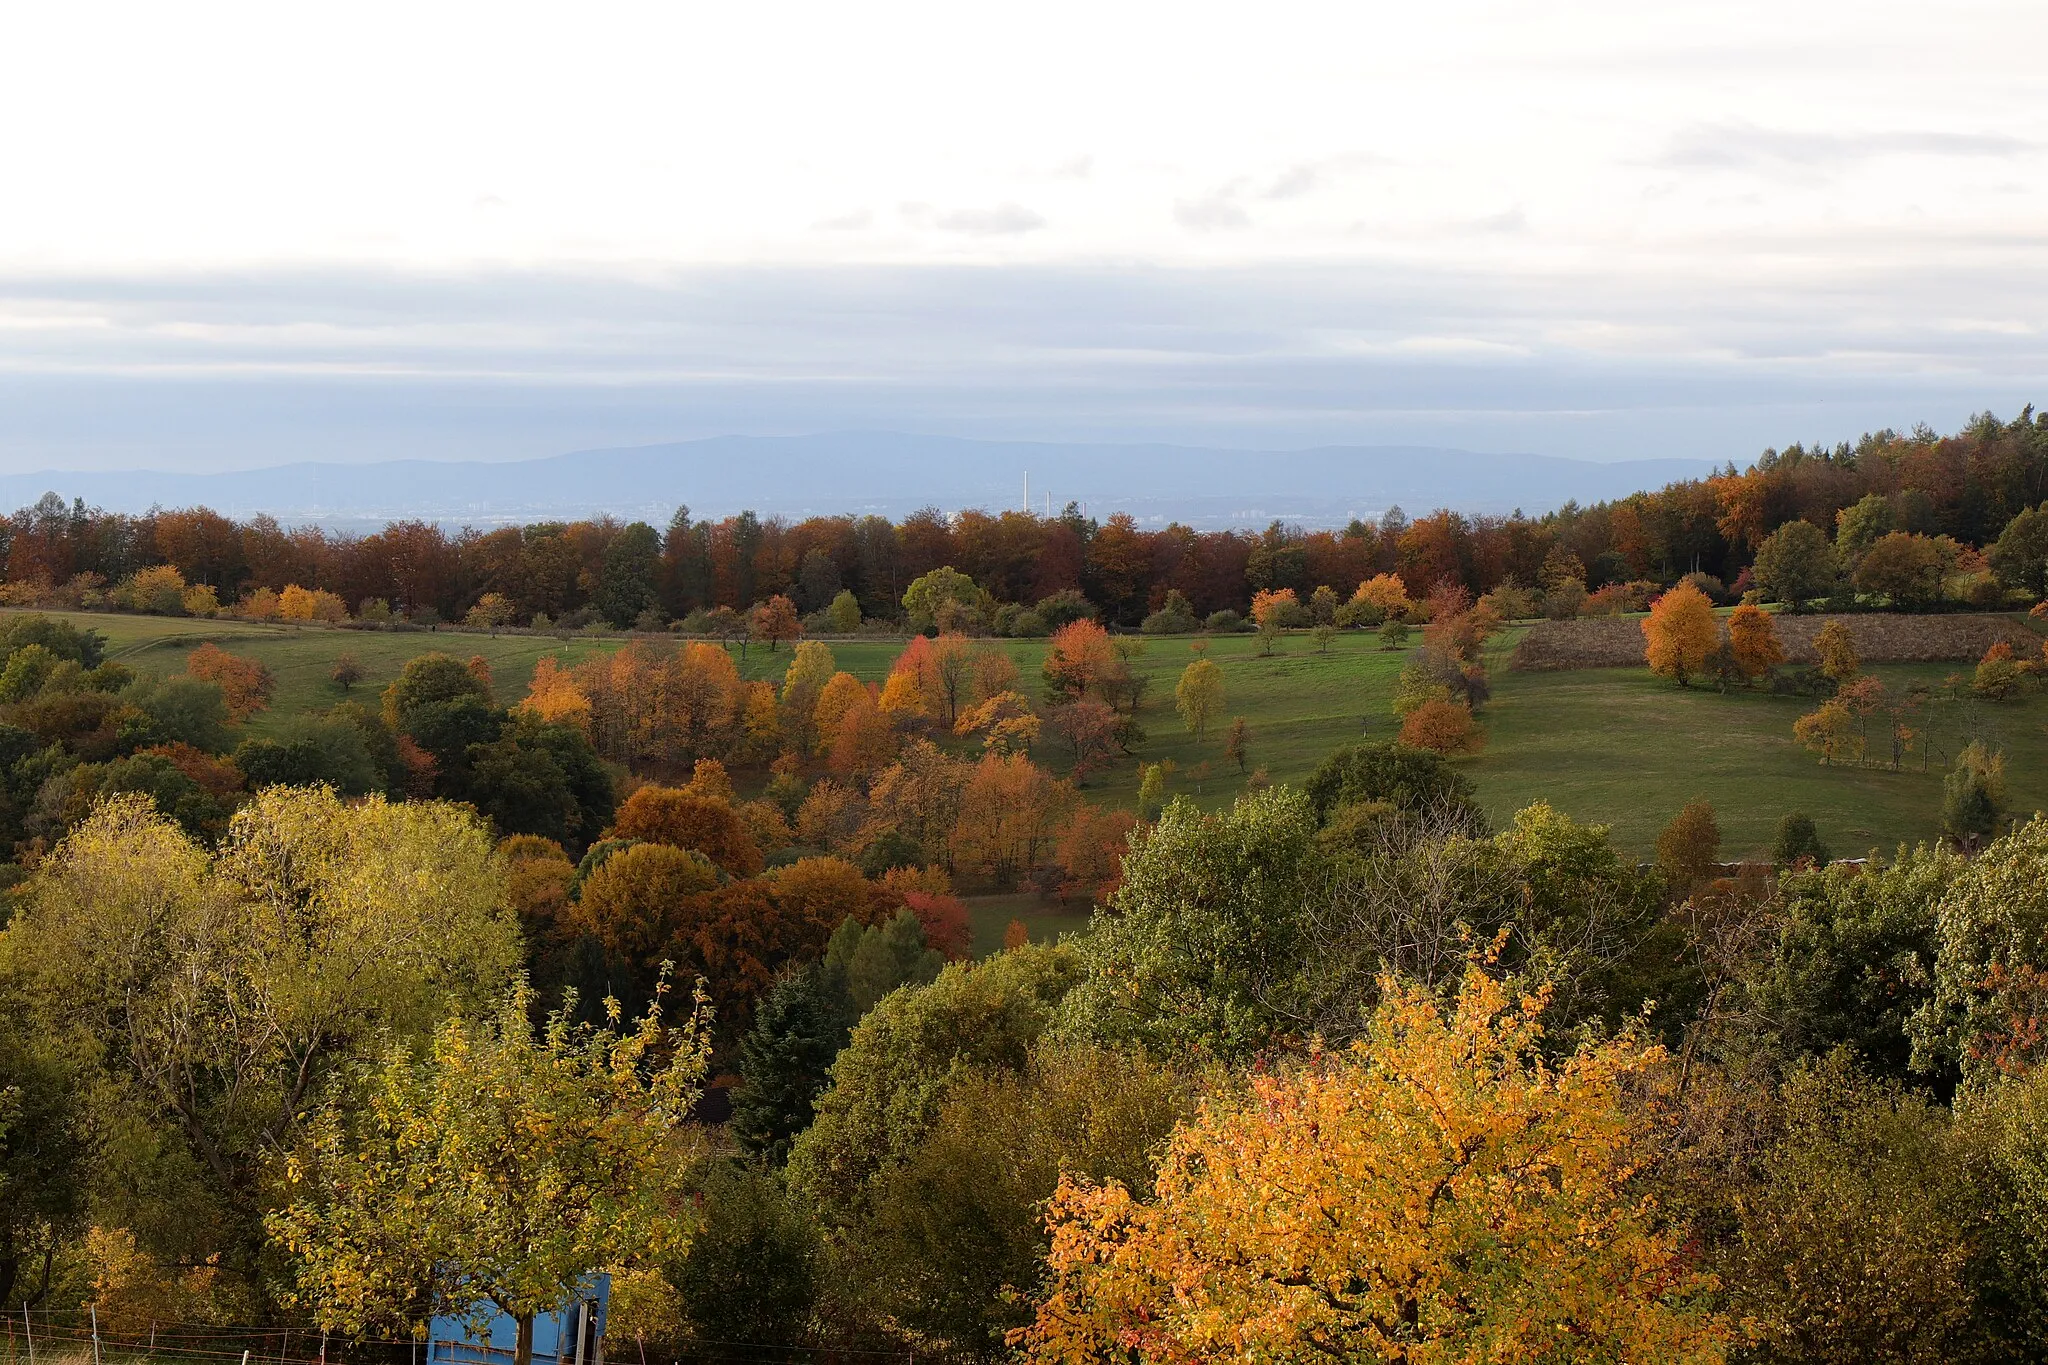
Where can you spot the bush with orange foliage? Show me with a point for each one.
(245, 684)
(840, 694)
(554, 696)
(1439, 1192)
(672, 815)
(946, 926)
(651, 703)
(1446, 727)
(1753, 642)
(1091, 851)
(310, 604)
(1679, 633)
(864, 742)
(1385, 593)
(1078, 659)
(1010, 811)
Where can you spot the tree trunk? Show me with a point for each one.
(522, 1353)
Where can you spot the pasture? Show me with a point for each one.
(1612, 745)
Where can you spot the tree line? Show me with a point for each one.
(1910, 519)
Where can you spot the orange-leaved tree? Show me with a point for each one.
(1679, 633)
(1077, 660)
(1439, 1193)
(1444, 726)
(774, 621)
(245, 684)
(1753, 642)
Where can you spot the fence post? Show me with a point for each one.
(94, 1308)
(28, 1330)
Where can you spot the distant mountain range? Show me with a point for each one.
(884, 473)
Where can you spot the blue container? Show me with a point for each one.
(571, 1335)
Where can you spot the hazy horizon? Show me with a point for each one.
(243, 236)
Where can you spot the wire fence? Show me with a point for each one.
(65, 1337)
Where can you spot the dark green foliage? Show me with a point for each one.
(1175, 617)
(1854, 960)
(1797, 840)
(1404, 778)
(327, 749)
(448, 730)
(890, 849)
(750, 1274)
(69, 797)
(544, 779)
(177, 710)
(66, 641)
(1063, 607)
(427, 681)
(863, 964)
(632, 571)
(1969, 807)
(42, 1154)
(786, 1062)
(2020, 558)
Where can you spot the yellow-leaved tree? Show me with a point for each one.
(1679, 633)
(501, 1168)
(1439, 1193)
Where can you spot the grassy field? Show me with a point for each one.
(1610, 745)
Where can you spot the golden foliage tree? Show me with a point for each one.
(1440, 1193)
(1679, 634)
(674, 815)
(501, 1167)
(1753, 641)
(1199, 696)
(1837, 650)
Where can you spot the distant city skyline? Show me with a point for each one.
(239, 235)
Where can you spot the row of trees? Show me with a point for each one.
(1912, 519)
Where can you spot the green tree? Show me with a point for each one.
(1904, 568)
(429, 680)
(890, 955)
(1854, 959)
(1199, 696)
(2020, 556)
(238, 982)
(1856, 1236)
(1859, 527)
(1973, 796)
(930, 592)
(1991, 962)
(1795, 563)
(844, 613)
(499, 1168)
(312, 749)
(1797, 841)
(629, 581)
(786, 1063)
(957, 1238)
(1406, 779)
(750, 1272)
(1199, 949)
(889, 1082)
(42, 1151)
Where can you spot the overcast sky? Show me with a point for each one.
(242, 234)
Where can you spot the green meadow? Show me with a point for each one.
(1615, 746)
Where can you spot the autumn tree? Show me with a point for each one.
(346, 672)
(1078, 660)
(1688, 847)
(246, 684)
(1271, 610)
(1237, 747)
(1830, 730)
(1679, 634)
(1199, 696)
(774, 620)
(1753, 642)
(500, 1167)
(675, 816)
(1837, 651)
(1440, 1192)
(1443, 726)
